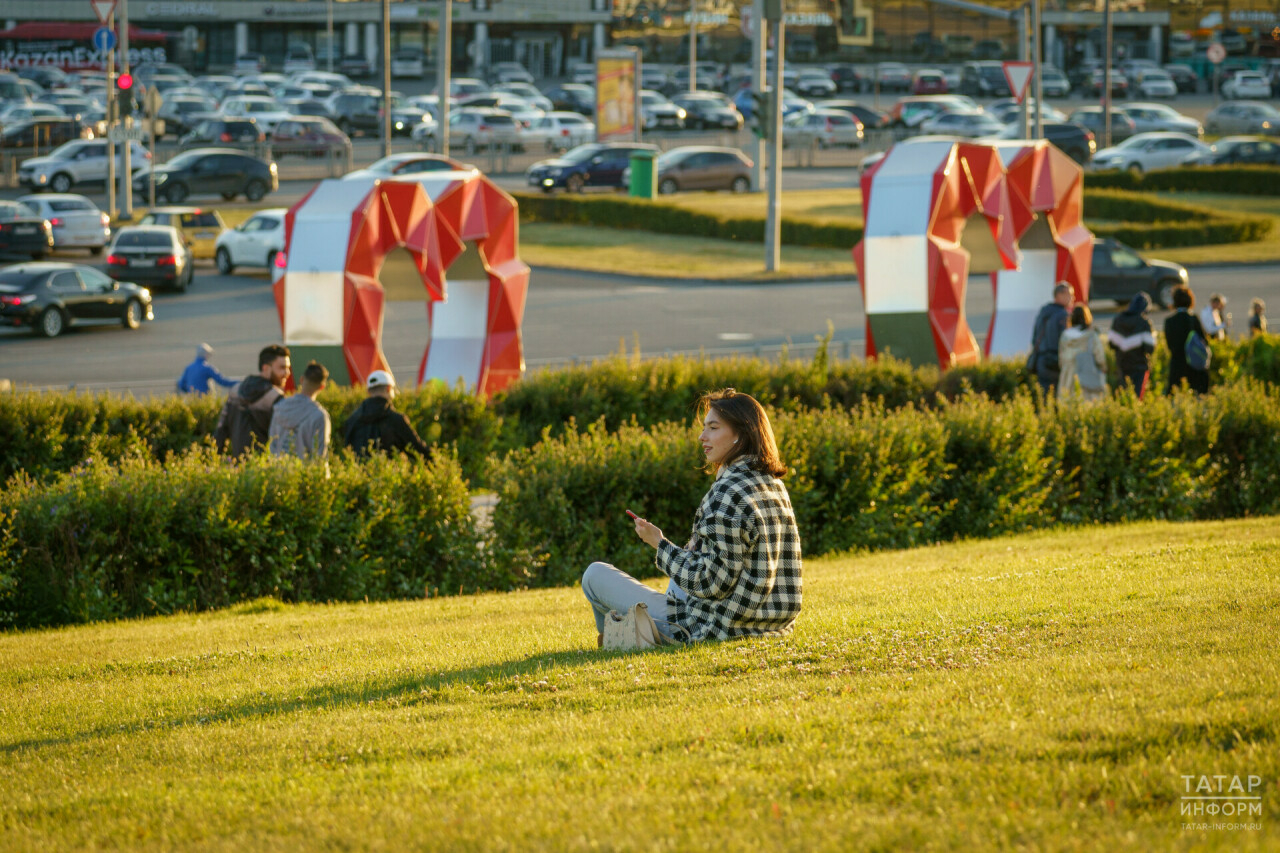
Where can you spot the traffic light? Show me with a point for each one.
(124, 95)
(761, 112)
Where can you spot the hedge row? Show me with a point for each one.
(141, 538)
(1145, 221)
(874, 478)
(44, 434)
(1234, 180)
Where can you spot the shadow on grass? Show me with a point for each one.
(333, 696)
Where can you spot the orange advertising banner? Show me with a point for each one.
(617, 93)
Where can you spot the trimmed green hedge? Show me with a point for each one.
(1235, 180)
(48, 433)
(142, 538)
(1144, 220)
(874, 478)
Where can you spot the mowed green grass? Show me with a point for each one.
(1042, 692)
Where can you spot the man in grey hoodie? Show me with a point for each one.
(299, 425)
(246, 415)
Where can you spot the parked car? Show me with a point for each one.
(1243, 117)
(49, 297)
(23, 231)
(560, 131)
(409, 62)
(461, 88)
(849, 78)
(1247, 84)
(299, 58)
(1073, 140)
(473, 129)
(353, 65)
(1120, 273)
(871, 119)
(180, 114)
(659, 113)
(1096, 83)
(224, 171)
(815, 83)
(1008, 111)
(1053, 83)
(914, 110)
(41, 134)
(1122, 127)
(1143, 152)
(574, 97)
(412, 163)
(247, 63)
(893, 77)
(709, 111)
(1183, 77)
(967, 125)
(1231, 150)
(824, 128)
(199, 226)
(701, 167)
(307, 137)
(510, 72)
(81, 161)
(151, 254)
(929, 81)
(1155, 117)
(1154, 83)
(984, 79)
(253, 243)
(527, 92)
(599, 164)
(989, 49)
(263, 110)
(15, 113)
(224, 133)
(76, 222)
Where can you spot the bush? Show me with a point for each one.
(874, 478)
(1236, 180)
(106, 542)
(1148, 222)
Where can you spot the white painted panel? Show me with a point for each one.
(452, 359)
(463, 314)
(1031, 285)
(897, 274)
(322, 227)
(313, 308)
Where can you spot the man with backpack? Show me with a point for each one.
(376, 426)
(245, 420)
(1047, 331)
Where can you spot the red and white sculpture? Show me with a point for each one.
(460, 233)
(936, 211)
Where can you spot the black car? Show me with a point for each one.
(573, 97)
(596, 164)
(849, 79)
(223, 132)
(1090, 118)
(1183, 77)
(23, 231)
(354, 65)
(49, 296)
(708, 112)
(871, 119)
(153, 254)
(1239, 149)
(1120, 273)
(1076, 142)
(41, 134)
(356, 112)
(224, 171)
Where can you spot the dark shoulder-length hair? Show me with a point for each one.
(749, 422)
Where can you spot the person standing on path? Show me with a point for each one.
(197, 375)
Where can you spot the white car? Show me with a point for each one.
(1153, 117)
(15, 113)
(511, 72)
(426, 132)
(527, 92)
(299, 59)
(1246, 84)
(75, 220)
(1143, 152)
(255, 243)
(408, 62)
(824, 128)
(1154, 83)
(265, 111)
(560, 131)
(80, 161)
(814, 84)
(461, 88)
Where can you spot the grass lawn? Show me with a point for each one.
(1048, 691)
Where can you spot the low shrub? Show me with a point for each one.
(1149, 222)
(143, 538)
(1236, 180)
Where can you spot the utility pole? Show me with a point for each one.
(444, 61)
(693, 45)
(111, 122)
(1024, 53)
(386, 78)
(329, 31)
(127, 177)
(1037, 60)
(1106, 76)
(759, 40)
(773, 214)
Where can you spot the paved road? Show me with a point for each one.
(568, 316)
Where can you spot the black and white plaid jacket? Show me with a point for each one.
(741, 569)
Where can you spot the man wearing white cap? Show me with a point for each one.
(197, 375)
(377, 426)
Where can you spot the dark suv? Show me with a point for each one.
(223, 132)
(41, 134)
(1120, 273)
(211, 170)
(596, 164)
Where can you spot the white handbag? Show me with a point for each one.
(635, 629)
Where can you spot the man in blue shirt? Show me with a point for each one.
(195, 378)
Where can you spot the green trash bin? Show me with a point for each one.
(644, 174)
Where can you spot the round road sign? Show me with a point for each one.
(1216, 52)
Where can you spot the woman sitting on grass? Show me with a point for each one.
(740, 573)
